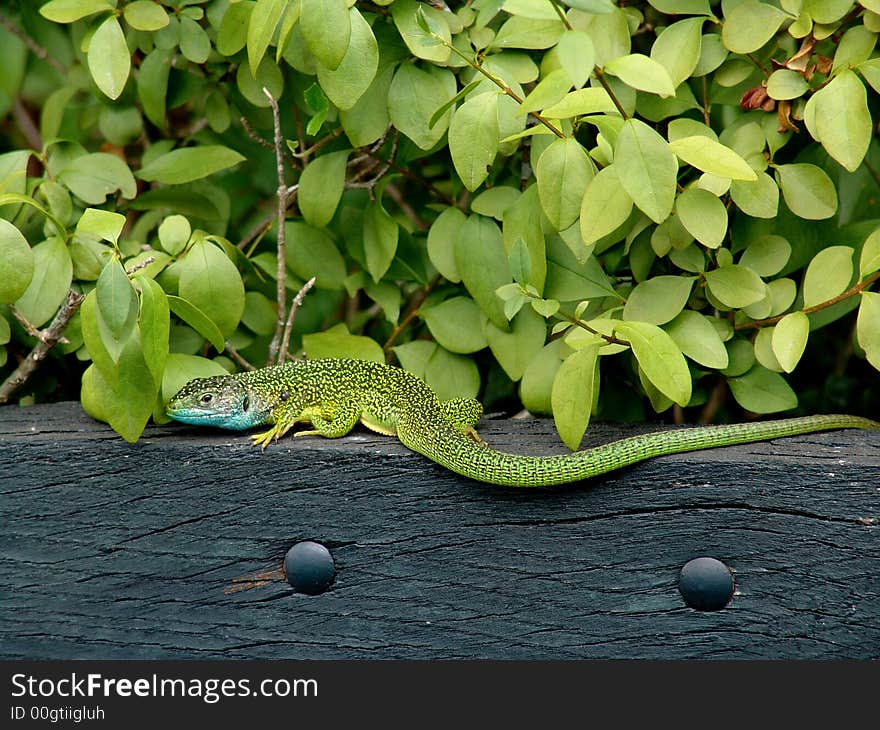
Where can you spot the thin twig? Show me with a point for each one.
(852, 291)
(338, 132)
(411, 313)
(234, 354)
(22, 320)
(281, 289)
(288, 327)
(35, 47)
(26, 126)
(600, 75)
(561, 14)
(47, 339)
(402, 203)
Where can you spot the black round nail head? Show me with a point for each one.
(309, 567)
(706, 584)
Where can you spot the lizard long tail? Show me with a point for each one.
(457, 452)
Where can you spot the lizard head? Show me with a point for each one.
(223, 401)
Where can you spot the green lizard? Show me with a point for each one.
(334, 394)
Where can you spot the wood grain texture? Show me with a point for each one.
(112, 550)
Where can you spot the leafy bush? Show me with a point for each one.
(507, 197)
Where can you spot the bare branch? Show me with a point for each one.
(288, 327)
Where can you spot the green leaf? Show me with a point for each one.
(658, 300)
(869, 260)
(233, 32)
(647, 169)
(786, 84)
(536, 386)
(94, 176)
(523, 221)
(482, 264)
(181, 368)
(749, 25)
(53, 273)
(519, 32)
(790, 339)
(759, 198)
(474, 138)
(320, 187)
(145, 15)
(69, 11)
(350, 80)
(514, 349)
(703, 215)
(16, 263)
(563, 171)
(109, 58)
(766, 255)
(174, 233)
(380, 240)
(420, 40)
(659, 358)
(605, 207)
(100, 224)
(260, 313)
(195, 44)
(154, 324)
(326, 29)
(210, 281)
(829, 274)
(713, 157)
(682, 7)
(677, 48)
(573, 393)
(735, 286)
(450, 375)
(413, 97)
(312, 252)
(642, 73)
(576, 55)
(117, 301)
(583, 101)
(338, 342)
(762, 391)
(807, 190)
(367, 120)
(198, 320)
(697, 337)
(190, 163)
(495, 201)
(441, 242)
(456, 325)
(843, 121)
(263, 21)
(547, 92)
(868, 326)
(134, 392)
(152, 84)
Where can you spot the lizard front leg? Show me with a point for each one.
(327, 421)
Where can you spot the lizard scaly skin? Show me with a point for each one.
(334, 394)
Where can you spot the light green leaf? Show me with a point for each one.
(646, 168)
(320, 187)
(312, 252)
(326, 29)
(186, 164)
(109, 58)
(563, 171)
(495, 201)
(16, 263)
(710, 156)
(658, 300)
(380, 240)
(174, 233)
(198, 320)
(547, 92)
(450, 375)
(682, 7)
(659, 358)
(762, 391)
(519, 32)
(180, 369)
(152, 84)
(69, 11)
(677, 48)
(766, 255)
(829, 274)
(195, 45)
(790, 339)
(337, 342)
(346, 84)
(94, 176)
(145, 15)
(591, 100)
(48, 287)
(786, 84)
(117, 301)
(233, 32)
(749, 25)
(642, 73)
(154, 325)
(456, 325)
(869, 260)
(515, 349)
(576, 55)
(759, 198)
(807, 190)
(413, 97)
(703, 215)
(100, 224)
(523, 221)
(868, 326)
(605, 206)
(735, 286)
(263, 22)
(482, 264)
(211, 282)
(698, 338)
(536, 386)
(843, 121)
(419, 40)
(474, 138)
(572, 395)
(441, 242)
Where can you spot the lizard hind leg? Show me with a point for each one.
(338, 422)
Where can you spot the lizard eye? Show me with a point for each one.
(206, 398)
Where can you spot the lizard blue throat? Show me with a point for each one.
(333, 395)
